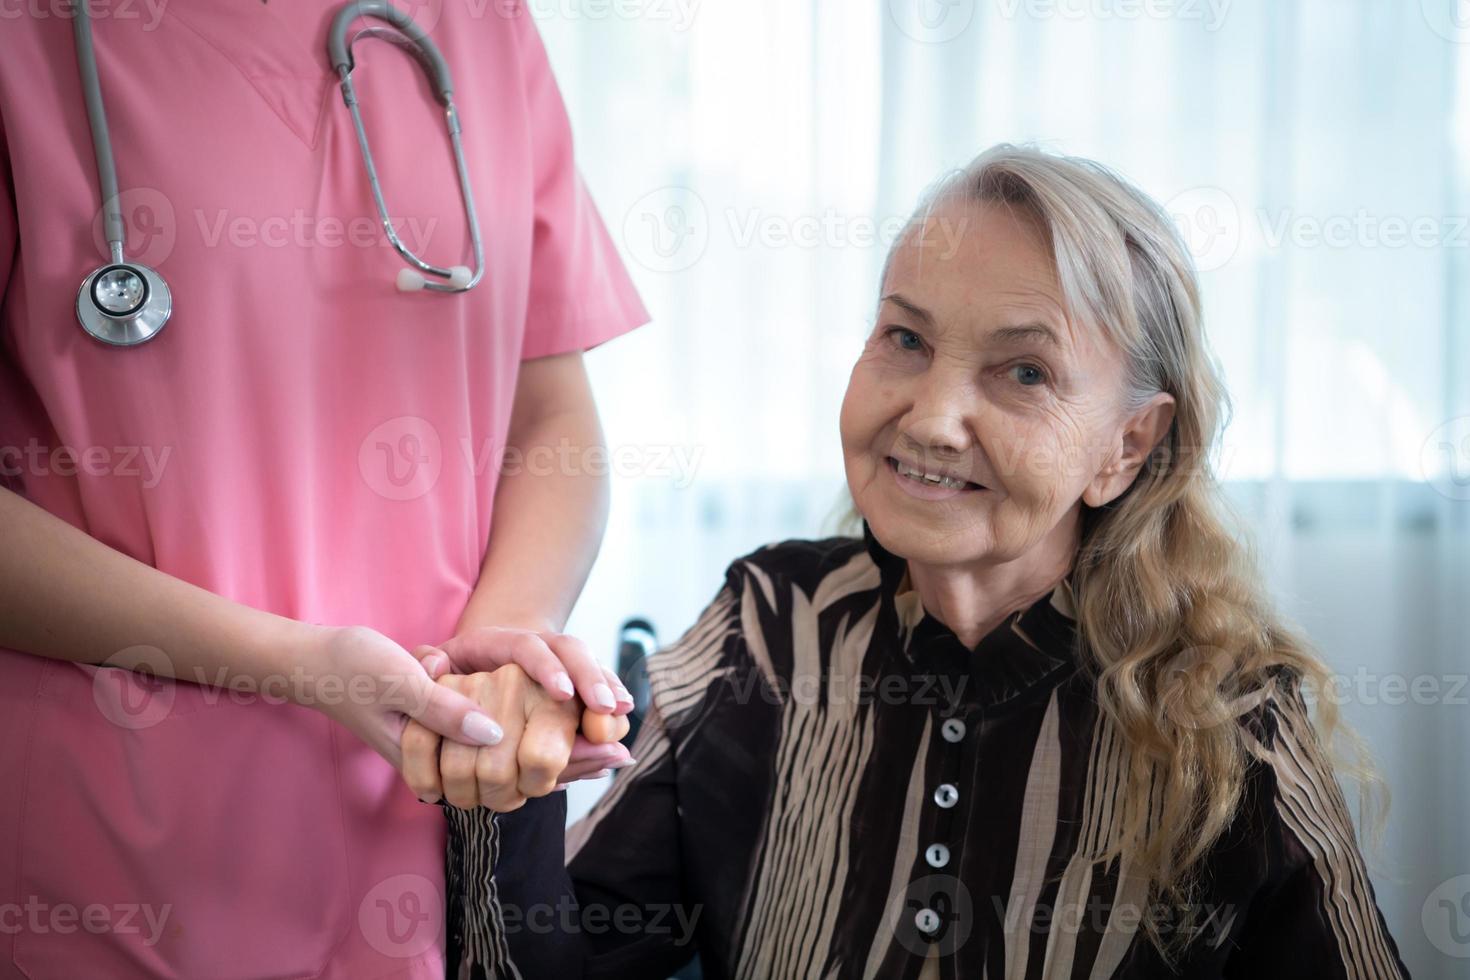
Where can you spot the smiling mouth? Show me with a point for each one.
(906, 472)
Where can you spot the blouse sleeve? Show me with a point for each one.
(624, 857)
(1317, 914)
(580, 293)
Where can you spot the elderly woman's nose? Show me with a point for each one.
(940, 415)
(942, 435)
(939, 420)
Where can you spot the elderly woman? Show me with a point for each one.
(1039, 720)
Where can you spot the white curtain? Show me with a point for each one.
(754, 157)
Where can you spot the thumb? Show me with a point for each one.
(434, 660)
(451, 714)
(483, 649)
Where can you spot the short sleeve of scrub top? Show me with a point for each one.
(301, 438)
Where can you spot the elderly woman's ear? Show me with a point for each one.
(1141, 433)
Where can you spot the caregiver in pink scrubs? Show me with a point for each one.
(285, 492)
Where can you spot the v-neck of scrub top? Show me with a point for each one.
(278, 47)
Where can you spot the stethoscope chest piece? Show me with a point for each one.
(124, 304)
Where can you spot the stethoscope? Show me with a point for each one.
(125, 303)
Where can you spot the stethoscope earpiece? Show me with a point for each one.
(124, 304)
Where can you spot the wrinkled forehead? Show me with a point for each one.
(975, 266)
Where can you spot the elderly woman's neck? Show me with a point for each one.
(973, 599)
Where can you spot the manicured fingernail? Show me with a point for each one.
(621, 763)
(603, 695)
(428, 799)
(602, 774)
(433, 663)
(563, 683)
(481, 730)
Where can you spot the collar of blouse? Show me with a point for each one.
(1031, 650)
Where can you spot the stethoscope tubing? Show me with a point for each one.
(127, 327)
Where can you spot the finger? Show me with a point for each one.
(490, 648)
(456, 761)
(588, 676)
(620, 693)
(419, 764)
(496, 778)
(588, 758)
(496, 769)
(434, 660)
(599, 774)
(590, 770)
(602, 729)
(443, 710)
(546, 745)
(584, 750)
(583, 770)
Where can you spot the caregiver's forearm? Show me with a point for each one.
(551, 505)
(67, 596)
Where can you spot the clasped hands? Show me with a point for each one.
(541, 688)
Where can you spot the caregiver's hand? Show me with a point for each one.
(534, 757)
(373, 686)
(559, 662)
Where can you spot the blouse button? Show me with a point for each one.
(953, 730)
(946, 795)
(937, 855)
(927, 920)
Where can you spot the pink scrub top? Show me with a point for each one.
(301, 437)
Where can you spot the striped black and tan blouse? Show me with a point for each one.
(830, 785)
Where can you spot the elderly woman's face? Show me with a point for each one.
(979, 413)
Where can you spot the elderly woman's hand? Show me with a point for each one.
(540, 750)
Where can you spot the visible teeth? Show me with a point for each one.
(937, 480)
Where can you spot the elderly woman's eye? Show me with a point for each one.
(905, 338)
(1030, 376)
